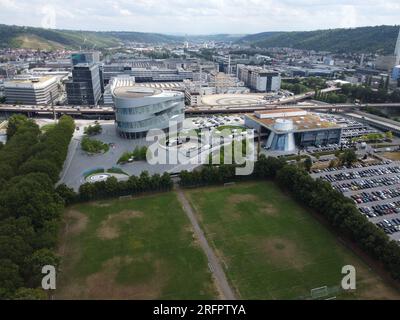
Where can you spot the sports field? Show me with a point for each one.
(141, 248)
(272, 248)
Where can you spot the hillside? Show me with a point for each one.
(364, 39)
(215, 37)
(38, 38)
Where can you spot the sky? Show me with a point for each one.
(199, 16)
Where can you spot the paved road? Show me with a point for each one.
(216, 268)
(75, 141)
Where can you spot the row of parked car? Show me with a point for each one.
(384, 194)
(390, 226)
(367, 184)
(356, 166)
(351, 175)
(380, 210)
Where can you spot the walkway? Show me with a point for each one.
(213, 262)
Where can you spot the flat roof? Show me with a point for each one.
(307, 122)
(33, 80)
(135, 91)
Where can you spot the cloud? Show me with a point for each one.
(203, 16)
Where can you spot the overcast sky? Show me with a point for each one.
(199, 16)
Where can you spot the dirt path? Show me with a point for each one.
(213, 262)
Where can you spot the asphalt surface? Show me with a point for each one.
(395, 236)
(213, 261)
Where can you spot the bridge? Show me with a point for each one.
(48, 111)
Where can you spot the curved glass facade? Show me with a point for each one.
(135, 116)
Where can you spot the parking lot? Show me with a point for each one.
(374, 188)
(215, 121)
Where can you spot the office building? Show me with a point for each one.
(288, 129)
(397, 50)
(32, 90)
(139, 109)
(85, 57)
(396, 73)
(85, 87)
(259, 79)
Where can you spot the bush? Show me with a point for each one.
(93, 130)
(140, 153)
(94, 146)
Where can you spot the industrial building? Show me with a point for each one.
(32, 90)
(288, 129)
(259, 79)
(139, 109)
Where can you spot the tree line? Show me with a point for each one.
(339, 211)
(30, 208)
(113, 188)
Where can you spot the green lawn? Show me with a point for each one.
(272, 248)
(141, 248)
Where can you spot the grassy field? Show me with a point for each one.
(272, 248)
(132, 249)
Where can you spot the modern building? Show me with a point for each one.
(85, 87)
(139, 109)
(32, 90)
(397, 50)
(85, 57)
(288, 129)
(259, 79)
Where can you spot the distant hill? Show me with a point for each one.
(363, 39)
(47, 39)
(215, 37)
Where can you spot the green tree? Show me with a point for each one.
(10, 278)
(308, 164)
(35, 262)
(30, 294)
(348, 157)
(15, 122)
(389, 135)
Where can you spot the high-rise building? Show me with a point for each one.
(397, 50)
(85, 87)
(85, 57)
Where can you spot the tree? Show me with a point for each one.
(93, 130)
(30, 294)
(348, 157)
(389, 135)
(10, 279)
(15, 122)
(35, 262)
(68, 194)
(308, 164)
